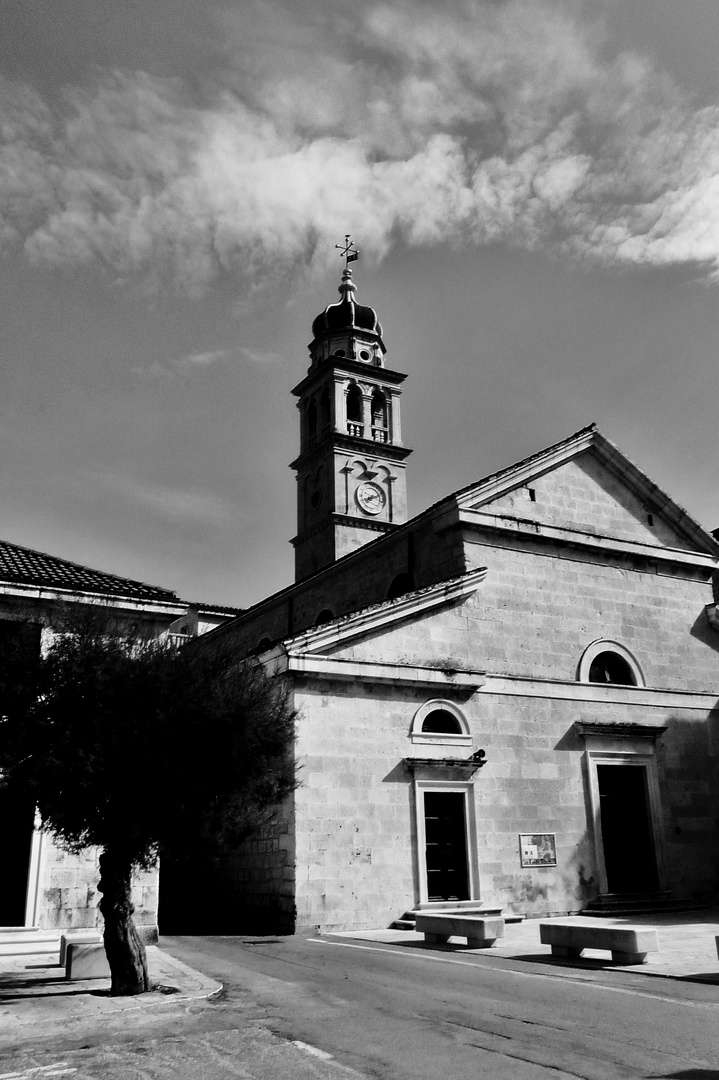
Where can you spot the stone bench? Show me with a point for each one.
(86, 961)
(85, 935)
(481, 931)
(628, 945)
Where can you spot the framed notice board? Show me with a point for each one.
(538, 849)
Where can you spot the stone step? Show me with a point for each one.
(638, 907)
(408, 920)
(24, 941)
(628, 899)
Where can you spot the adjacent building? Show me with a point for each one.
(42, 596)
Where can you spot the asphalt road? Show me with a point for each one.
(343, 1006)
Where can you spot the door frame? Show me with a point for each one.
(635, 748)
(37, 852)
(465, 788)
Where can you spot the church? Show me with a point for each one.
(507, 701)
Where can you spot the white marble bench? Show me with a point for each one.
(628, 945)
(481, 931)
(86, 961)
(84, 935)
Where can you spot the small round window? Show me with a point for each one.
(441, 722)
(610, 667)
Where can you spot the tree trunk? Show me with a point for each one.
(125, 952)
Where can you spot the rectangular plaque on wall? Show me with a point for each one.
(538, 849)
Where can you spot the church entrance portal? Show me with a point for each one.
(629, 857)
(446, 845)
(17, 819)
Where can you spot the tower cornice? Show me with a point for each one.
(344, 365)
(347, 520)
(353, 444)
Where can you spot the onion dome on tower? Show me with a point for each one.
(348, 329)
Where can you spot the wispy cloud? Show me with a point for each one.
(466, 122)
(190, 364)
(261, 358)
(166, 501)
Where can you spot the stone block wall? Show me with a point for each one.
(357, 856)
(68, 897)
(256, 886)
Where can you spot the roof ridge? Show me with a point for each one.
(55, 568)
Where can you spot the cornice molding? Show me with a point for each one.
(337, 669)
(350, 444)
(598, 693)
(347, 366)
(479, 521)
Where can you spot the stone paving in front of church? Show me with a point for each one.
(687, 945)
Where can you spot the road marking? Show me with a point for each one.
(57, 1069)
(523, 974)
(314, 1050)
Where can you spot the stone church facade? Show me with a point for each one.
(508, 700)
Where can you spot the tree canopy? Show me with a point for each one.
(140, 747)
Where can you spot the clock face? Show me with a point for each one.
(371, 498)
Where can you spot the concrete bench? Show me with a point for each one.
(82, 936)
(85, 961)
(628, 945)
(481, 931)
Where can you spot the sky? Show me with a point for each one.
(534, 189)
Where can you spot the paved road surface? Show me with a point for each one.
(405, 1013)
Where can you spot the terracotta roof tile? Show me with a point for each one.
(25, 566)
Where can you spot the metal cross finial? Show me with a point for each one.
(348, 251)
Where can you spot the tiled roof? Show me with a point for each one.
(25, 566)
(217, 609)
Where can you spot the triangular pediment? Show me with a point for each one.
(585, 484)
(396, 631)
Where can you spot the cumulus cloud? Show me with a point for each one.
(466, 122)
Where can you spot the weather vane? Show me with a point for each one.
(348, 251)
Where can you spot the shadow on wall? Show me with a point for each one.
(196, 897)
(703, 631)
(688, 770)
(579, 877)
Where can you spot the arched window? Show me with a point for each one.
(354, 404)
(440, 721)
(324, 616)
(401, 584)
(610, 667)
(379, 409)
(610, 664)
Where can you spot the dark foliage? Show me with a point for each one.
(140, 747)
(144, 746)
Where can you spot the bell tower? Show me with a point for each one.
(350, 470)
